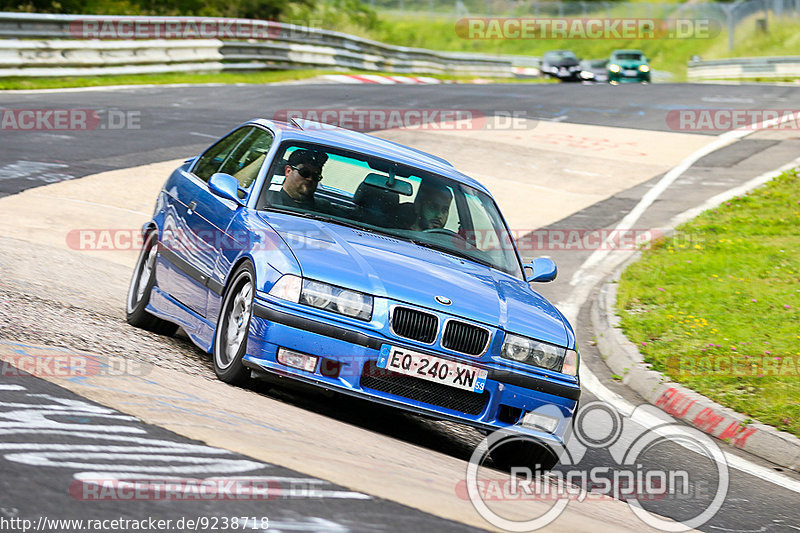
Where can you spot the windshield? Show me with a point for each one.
(560, 54)
(628, 56)
(385, 197)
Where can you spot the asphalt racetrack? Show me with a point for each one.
(578, 157)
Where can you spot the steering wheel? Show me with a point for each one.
(445, 231)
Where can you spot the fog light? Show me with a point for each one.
(536, 420)
(297, 360)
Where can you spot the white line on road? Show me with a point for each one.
(203, 135)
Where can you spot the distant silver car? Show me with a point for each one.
(594, 70)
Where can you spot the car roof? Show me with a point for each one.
(315, 132)
(627, 51)
(559, 52)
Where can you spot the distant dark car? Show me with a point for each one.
(594, 70)
(561, 64)
(628, 66)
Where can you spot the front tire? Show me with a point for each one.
(230, 340)
(524, 453)
(142, 283)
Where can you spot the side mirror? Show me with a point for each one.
(544, 269)
(225, 186)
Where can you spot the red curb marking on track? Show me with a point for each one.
(678, 404)
(362, 79)
(707, 420)
(671, 400)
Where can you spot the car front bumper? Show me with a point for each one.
(346, 362)
(619, 77)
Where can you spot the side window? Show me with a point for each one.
(210, 161)
(248, 157)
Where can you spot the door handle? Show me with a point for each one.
(192, 206)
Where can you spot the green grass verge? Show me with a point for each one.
(271, 76)
(717, 306)
(176, 77)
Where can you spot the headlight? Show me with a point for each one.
(316, 294)
(354, 304)
(613, 67)
(586, 75)
(323, 296)
(539, 354)
(644, 68)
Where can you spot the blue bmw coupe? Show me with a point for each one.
(361, 266)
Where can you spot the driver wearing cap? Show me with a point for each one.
(303, 172)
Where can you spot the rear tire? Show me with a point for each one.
(230, 340)
(142, 283)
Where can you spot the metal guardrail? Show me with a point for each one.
(745, 68)
(52, 45)
(38, 58)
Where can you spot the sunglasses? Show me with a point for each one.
(308, 173)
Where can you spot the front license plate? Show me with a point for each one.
(431, 368)
(630, 72)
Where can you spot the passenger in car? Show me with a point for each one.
(430, 208)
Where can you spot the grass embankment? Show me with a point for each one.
(717, 306)
(208, 77)
(176, 77)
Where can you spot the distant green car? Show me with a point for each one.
(628, 66)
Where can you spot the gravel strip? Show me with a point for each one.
(31, 319)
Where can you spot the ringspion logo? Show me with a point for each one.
(633, 475)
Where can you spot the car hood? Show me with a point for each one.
(399, 270)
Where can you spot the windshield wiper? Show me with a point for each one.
(331, 218)
(315, 216)
(457, 253)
